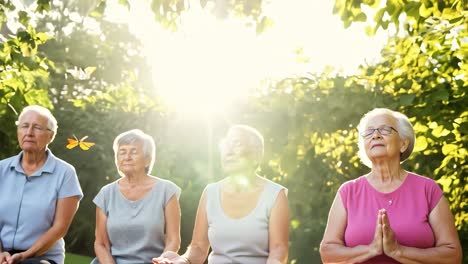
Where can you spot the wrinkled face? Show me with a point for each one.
(131, 159)
(33, 134)
(237, 154)
(384, 142)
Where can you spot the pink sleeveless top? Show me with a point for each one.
(408, 209)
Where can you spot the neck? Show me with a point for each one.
(387, 173)
(135, 179)
(33, 159)
(243, 182)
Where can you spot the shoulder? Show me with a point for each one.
(106, 191)
(108, 187)
(9, 161)
(272, 191)
(417, 180)
(61, 162)
(354, 187)
(275, 187)
(426, 187)
(166, 183)
(354, 183)
(214, 185)
(59, 165)
(212, 188)
(413, 177)
(168, 187)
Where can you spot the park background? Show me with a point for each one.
(102, 74)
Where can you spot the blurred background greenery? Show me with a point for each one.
(92, 74)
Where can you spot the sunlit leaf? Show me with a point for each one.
(89, 70)
(125, 3)
(440, 131)
(264, 24)
(449, 148)
(99, 10)
(420, 144)
(295, 223)
(23, 18)
(43, 5)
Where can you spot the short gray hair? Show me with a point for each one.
(255, 139)
(404, 127)
(42, 111)
(133, 136)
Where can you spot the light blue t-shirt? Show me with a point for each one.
(136, 229)
(27, 203)
(243, 240)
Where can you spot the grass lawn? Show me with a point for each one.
(71, 258)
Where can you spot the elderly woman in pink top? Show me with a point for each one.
(389, 215)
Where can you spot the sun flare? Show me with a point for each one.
(208, 63)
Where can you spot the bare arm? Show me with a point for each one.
(279, 231)
(64, 213)
(198, 249)
(447, 249)
(332, 247)
(102, 243)
(172, 220)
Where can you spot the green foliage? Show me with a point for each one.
(97, 83)
(407, 14)
(167, 12)
(23, 78)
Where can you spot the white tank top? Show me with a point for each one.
(243, 240)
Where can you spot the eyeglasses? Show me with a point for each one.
(35, 128)
(383, 130)
(133, 154)
(236, 146)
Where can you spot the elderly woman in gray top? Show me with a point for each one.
(244, 217)
(138, 215)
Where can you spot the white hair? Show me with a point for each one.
(42, 111)
(255, 138)
(404, 128)
(133, 136)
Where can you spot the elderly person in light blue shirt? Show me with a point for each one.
(39, 195)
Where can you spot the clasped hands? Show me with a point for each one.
(6, 258)
(170, 257)
(384, 238)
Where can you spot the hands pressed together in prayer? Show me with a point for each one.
(384, 239)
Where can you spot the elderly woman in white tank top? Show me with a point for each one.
(244, 217)
(138, 215)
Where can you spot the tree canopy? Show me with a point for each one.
(92, 74)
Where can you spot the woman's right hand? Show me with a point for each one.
(376, 247)
(4, 256)
(170, 257)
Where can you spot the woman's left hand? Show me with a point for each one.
(16, 258)
(391, 247)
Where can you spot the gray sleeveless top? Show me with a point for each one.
(243, 240)
(136, 228)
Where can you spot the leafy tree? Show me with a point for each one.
(22, 71)
(97, 83)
